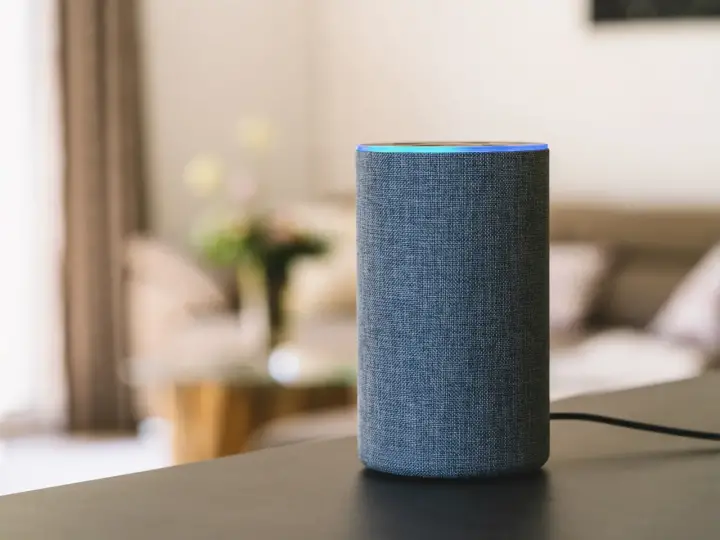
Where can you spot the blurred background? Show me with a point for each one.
(177, 191)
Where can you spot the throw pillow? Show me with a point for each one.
(692, 313)
(325, 285)
(576, 272)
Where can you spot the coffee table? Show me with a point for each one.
(218, 387)
(218, 418)
(600, 483)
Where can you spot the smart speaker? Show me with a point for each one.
(453, 308)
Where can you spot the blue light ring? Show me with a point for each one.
(452, 148)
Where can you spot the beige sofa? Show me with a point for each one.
(651, 251)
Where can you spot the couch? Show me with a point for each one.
(651, 250)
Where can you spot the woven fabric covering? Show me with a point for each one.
(453, 312)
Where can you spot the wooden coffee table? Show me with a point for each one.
(216, 418)
(217, 401)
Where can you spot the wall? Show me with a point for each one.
(208, 64)
(632, 111)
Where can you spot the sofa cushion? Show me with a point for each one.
(576, 271)
(636, 289)
(327, 284)
(622, 358)
(692, 314)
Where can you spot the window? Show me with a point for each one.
(30, 232)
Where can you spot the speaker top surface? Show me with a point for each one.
(452, 147)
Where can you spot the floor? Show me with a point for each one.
(35, 462)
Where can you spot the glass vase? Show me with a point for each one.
(262, 302)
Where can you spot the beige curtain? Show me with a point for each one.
(103, 179)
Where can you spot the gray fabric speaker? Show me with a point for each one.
(453, 308)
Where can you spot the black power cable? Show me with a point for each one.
(632, 424)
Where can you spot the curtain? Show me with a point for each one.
(103, 203)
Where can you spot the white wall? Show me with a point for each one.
(207, 65)
(631, 111)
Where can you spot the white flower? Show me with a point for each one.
(203, 175)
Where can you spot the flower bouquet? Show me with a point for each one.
(239, 229)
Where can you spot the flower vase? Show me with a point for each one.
(261, 302)
(253, 303)
(275, 285)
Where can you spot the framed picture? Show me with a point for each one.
(620, 10)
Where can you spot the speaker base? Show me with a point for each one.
(530, 473)
(521, 470)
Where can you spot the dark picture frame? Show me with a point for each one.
(621, 10)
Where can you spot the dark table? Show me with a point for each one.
(601, 483)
